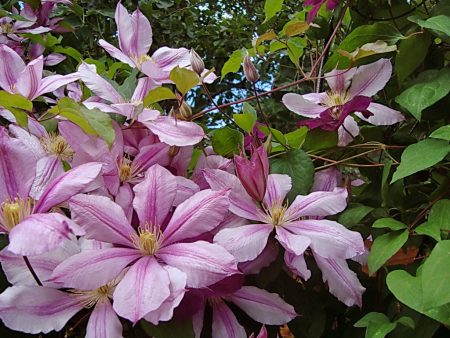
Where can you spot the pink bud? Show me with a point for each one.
(253, 173)
(250, 71)
(197, 63)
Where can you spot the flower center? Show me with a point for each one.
(148, 239)
(6, 28)
(275, 215)
(13, 212)
(55, 144)
(125, 169)
(90, 298)
(140, 59)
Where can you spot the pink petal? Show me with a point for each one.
(348, 134)
(199, 214)
(339, 79)
(29, 80)
(116, 53)
(244, 242)
(326, 179)
(224, 323)
(53, 59)
(11, 65)
(47, 170)
(143, 289)
(176, 132)
(29, 140)
(318, 204)
(71, 183)
(278, 187)
(124, 198)
(50, 83)
(154, 196)
(297, 264)
(101, 87)
(102, 219)
(93, 268)
(186, 188)
(267, 257)
(155, 72)
(149, 155)
(103, 322)
(297, 244)
(144, 85)
(241, 203)
(142, 38)
(382, 115)
(342, 282)
(177, 290)
(301, 106)
(37, 309)
(197, 321)
(370, 79)
(169, 58)
(262, 306)
(125, 28)
(203, 263)
(329, 239)
(41, 233)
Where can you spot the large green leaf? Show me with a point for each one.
(234, 62)
(389, 223)
(158, 94)
(442, 133)
(245, 121)
(227, 141)
(420, 156)
(421, 95)
(184, 79)
(299, 167)
(439, 23)
(359, 37)
(271, 8)
(354, 214)
(18, 105)
(378, 325)
(384, 247)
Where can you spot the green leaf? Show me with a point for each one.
(248, 109)
(234, 62)
(420, 156)
(296, 138)
(100, 122)
(295, 48)
(359, 37)
(278, 135)
(439, 23)
(436, 277)
(354, 214)
(442, 133)
(389, 223)
(245, 121)
(227, 141)
(318, 139)
(17, 105)
(169, 329)
(411, 53)
(408, 290)
(129, 85)
(72, 52)
(406, 321)
(184, 79)
(384, 182)
(425, 93)
(271, 8)
(429, 229)
(378, 325)
(297, 164)
(384, 247)
(158, 94)
(295, 27)
(440, 214)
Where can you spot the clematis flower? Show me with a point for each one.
(350, 92)
(11, 27)
(170, 131)
(162, 261)
(262, 306)
(26, 80)
(331, 4)
(296, 227)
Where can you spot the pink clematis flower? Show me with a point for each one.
(331, 4)
(296, 227)
(350, 92)
(169, 130)
(163, 261)
(135, 39)
(11, 27)
(26, 80)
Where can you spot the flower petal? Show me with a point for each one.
(382, 115)
(29, 140)
(125, 28)
(339, 79)
(116, 53)
(301, 106)
(326, 179)
(154, 196)
(11, 65)
(71, 183)
(199, 214)
(50, 83)
(91, 269)
(144, 288)
(169, 58)
(329, 239)
(342, 282)
(224, 323)
(102, 219)
(318, 204)
(29, 80)
(47, 169)
(186, 188)
(176, 132)
(278, 186)
(297, 264)
(244, 242)
(103, 322)
(41, 233)
(297, 244)
(370, 79)
(348, 131)
(37, 309)
(203, 263)
(262, 306)
(142, 38)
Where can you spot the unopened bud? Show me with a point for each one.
(250, 71)
(185, 110)
(197, 63)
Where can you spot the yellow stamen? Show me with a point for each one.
(55, 144)
(148, 239)
(125, 169)
(90, 298)
(140, 59)
(275, 215)
(13, 212)
(7, 28)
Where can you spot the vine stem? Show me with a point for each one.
(33, 273)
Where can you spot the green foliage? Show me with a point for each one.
(245, 121)
(158, 94)
(227, 141)
(18, 105)
(384, 247)
(271, 8)
(378, 324)
(184, 79)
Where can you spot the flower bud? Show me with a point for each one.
(197, 63)
(185, 111)
(250, 71)
(253, 173)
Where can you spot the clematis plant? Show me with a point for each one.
(350, 92)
